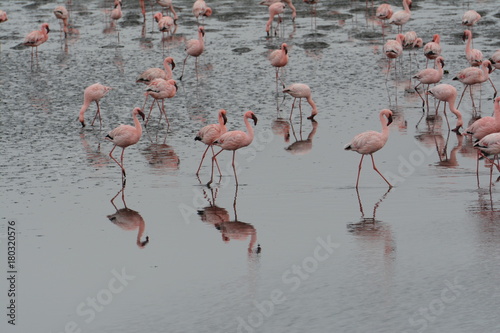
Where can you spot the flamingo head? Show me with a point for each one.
(487, 63)
(441, 61)
(467, 34)
(158, 16)
(170, 60)
(388, 114)
(45, 26)
(201, 30)
(139, 112)
(418, 42)
(222, 113)
(284, 47)
(250, 114)
(436, 38)
(207, 12)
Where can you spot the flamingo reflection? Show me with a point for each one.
(128, 219)
(281, 126)
(301, 146)
(161, 156)
(229, 229)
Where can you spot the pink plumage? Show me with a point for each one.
(92, 93)
(208, 134)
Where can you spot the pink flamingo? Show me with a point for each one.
(401, 17)
(116, 13)
(392, 49)
(470, 18)
(495, 59)
(475, 75)
(279, 59)
(169, 6)
(490, 145)
(93, 93)
(208, 134)
(369, 142)
(165, 23)
(474, 56)
(300, 90)
(276, 9)
(433, 49)
(200, 8)
(3, 16)
(234, 140)
(287, 2)
(142, 4)
(194, 48)
(448, 94)
(384, 12)
(62, 14)
(161, 89)
(429, 76)
(37, 38)
(124, 136)
(150, 74)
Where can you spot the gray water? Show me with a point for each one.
(422, 257)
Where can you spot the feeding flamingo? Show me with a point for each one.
(475, 75)
(208, 134)
(495, 59)
(474, 56)
(37, 38)
(433, 49)
(276, 9)
(93, 93)
(194, 48)
(401, 17)
(161, 89)
(279, 59)
(429, 76)
(169, 6)
(300, 90)
(200, 8)
(490, 145)
(384, 12)
(124, 136)
(369, 142)
(62, 14)
(287, 2)
(470, 18)
(234, 140)
(3, 16)
(448, 94)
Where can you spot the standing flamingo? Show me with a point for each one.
(490, 145)
(392, 49)
(474, 56)
(369, 142)
(279, 59)
(165, 24)
(300, 90)
(475, 75)
(194, 48)
(495, 59)
(37, 37)
(234, 140)
(3, 16)
(62, 14)
(401, 17)
(470, 18)
(161, 89)
(200, 8)
(93, 93)
(448, 94)
(276, 9)
(433, 49)
(429, 76)
(150, 74)
(124, 136)
(384, 12)
(169, 6)
(208, 134)
(287, 2)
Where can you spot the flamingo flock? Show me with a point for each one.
(160, 84)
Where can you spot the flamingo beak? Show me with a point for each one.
(464, 37)
(176, 87)
(490, 68)
(225, 118)
(173, 65)
(389, 120)
(254, 119)
(142, 115)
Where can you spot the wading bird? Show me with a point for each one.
(208, 134)
(448, 94)
(37, 38)
(194, 48)
(93, 93)
(300, 90)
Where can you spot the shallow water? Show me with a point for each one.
(420, 257)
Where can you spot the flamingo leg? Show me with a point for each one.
(162, 110)
(97, 113)
(293, 105)
(359, 170)
(116, 161)
(446, 116)
(202, 158)
(234, 169)
(216, 162)
(460, 101)
(375, 168)
(495, 94)
(214, 158)
(419, 95)
(183, 65)
(149, 114)
(300, 109)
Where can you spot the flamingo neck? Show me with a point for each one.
(312, 104)
(456, 112)
(486, 72)
(137, 124)
(249, 130)
(406, 6)
(85, 106)
(497, 110)
(468, 44)
(385, 128)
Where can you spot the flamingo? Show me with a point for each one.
(401, 17)
(169, 6)
(287, 2)
(234, 140)
(433, 49)
(448, 94)
(62, 14)
(430, 76)
(278, 59)
(37, 38)
(470, 18)
(300, 90)
(490, 145)
(392, 49)
(194, 48)
(93, 93)
(150, 74)
(142, 4)
(161, 89)
(200, 8)
(475, 75)
(208, 134)
(276, 8)
(116, 13)
(124, 136)
(369, 142)
(474, 56)
(384, 12)
(495, 59)
(3, 16)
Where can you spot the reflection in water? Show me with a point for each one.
(161, 156)
(93, 155)
(128, 219)
(301, 146)
(281, 126)
(229, 229)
